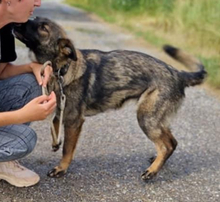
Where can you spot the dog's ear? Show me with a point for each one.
(66, 48)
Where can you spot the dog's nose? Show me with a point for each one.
(32, 18)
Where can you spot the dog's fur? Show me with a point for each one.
(96, 81)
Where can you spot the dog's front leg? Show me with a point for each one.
(56, 125)
(71, 137)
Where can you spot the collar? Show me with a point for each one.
(63, 70)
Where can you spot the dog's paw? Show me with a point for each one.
(56, 173)
(56, 147)
(147, 175)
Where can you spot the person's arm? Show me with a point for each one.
(8, 70)
(37, 109)
(7, 118)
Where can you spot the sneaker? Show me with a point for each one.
(17, 175)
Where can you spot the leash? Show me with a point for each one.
(44, 89)
(56, 138)
(62, 106)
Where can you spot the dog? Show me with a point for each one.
(95, 81)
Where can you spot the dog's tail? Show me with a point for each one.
(198, 73)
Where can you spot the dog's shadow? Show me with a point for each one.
(178, 166)
(115, 168)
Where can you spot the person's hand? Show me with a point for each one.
(38, 108)
(36, 69)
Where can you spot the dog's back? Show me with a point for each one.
(118, 76)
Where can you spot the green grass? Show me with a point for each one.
(212, 67)
(193, 25)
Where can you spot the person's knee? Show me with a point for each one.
(17, 91)
(25, 88)
(30, 140)
(20, 142)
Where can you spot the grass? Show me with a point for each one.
(193, 25)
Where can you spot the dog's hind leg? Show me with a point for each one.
(165, 146)
(151, 114)
(70, 141)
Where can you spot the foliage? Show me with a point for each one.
(193, 25)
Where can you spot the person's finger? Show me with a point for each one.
(50, 106)
(47, 73)
(41, 99)
(39, 79)
(45, 80)
(52, 95)
(51, 98)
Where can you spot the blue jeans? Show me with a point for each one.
(17, 141)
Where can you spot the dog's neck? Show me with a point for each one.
(63, 70)
(72, 70)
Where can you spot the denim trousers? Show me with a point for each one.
(18, 140)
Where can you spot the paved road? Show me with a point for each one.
(113, 151)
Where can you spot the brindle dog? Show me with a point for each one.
(95, 81)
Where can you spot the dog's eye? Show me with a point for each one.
(43, 28)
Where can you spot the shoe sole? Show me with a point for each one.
(16, 183)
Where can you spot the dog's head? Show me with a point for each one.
(46, 40)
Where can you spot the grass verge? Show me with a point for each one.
(193, 25)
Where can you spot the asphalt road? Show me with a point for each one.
(113, 152)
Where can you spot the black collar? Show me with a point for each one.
(63, 70)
